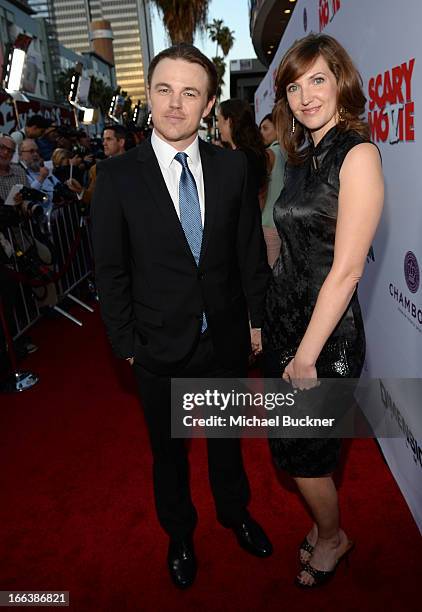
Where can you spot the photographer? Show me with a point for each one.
(35, 127)
(39, 176)
(10, 174)
(85, 148)
(66, 165)
(47, 143)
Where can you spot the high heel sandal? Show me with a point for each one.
(322, 577)
(307, 547)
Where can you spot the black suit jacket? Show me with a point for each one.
(152, 293)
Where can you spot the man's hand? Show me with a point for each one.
(44, 172)
(256, 341)
(17, 199)
(74, 185)
(75, 160)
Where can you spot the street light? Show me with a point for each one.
(13, 72)
(78, 97)
(116, 108)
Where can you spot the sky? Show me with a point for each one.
(235, 14)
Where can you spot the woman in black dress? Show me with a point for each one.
(327, 215)
(239, 131)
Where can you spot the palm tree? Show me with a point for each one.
(224, 38)
(220, 66)
(214, 30)
(221, 35)
(182, 18)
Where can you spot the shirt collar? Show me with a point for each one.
(165, 152)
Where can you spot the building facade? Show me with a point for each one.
(131, 26)
(17, 18)
(245, 77)
(267, 21)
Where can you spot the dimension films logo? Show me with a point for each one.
(411, 271)
(391, 105)
(406, 306)
(327, 11)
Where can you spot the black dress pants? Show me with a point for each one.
(228, 480)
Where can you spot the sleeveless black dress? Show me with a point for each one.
(305, 216)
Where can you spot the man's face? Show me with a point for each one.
(178, 96)
(35, 132)
(112, 145)
(84, 141)
(30, 156)
(7, 149)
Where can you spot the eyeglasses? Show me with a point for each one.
(29, 150)
(10, 150)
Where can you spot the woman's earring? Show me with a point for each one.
(341, 114)
(293, 125)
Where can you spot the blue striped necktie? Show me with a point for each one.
(190, 212)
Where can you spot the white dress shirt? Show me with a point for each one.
(171, 169)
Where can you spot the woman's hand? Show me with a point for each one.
(300, 374)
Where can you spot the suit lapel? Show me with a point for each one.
(211, 190)
(151, 176)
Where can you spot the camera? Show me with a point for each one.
(79, 150)
(33, 195)
(61, 192)
(31, 204)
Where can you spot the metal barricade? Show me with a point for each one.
(72, 243)
(65, 253)
(27, 309)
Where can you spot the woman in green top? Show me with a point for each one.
(275, 185)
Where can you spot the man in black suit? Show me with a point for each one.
(181, 273)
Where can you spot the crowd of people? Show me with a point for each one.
(54, 164)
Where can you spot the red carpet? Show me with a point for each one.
(77, 513)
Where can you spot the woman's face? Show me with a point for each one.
(313, 99)
(224, 127)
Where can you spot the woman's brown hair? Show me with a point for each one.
(350, 97)
(245, 133)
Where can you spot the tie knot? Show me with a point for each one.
(182, 158)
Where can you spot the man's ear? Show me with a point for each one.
(208, 107)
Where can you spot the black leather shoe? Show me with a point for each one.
(181, 562)
(252, 538)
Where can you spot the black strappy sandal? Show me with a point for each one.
(306, 546)
(322, 577)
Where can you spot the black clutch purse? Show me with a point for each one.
(334, 361)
